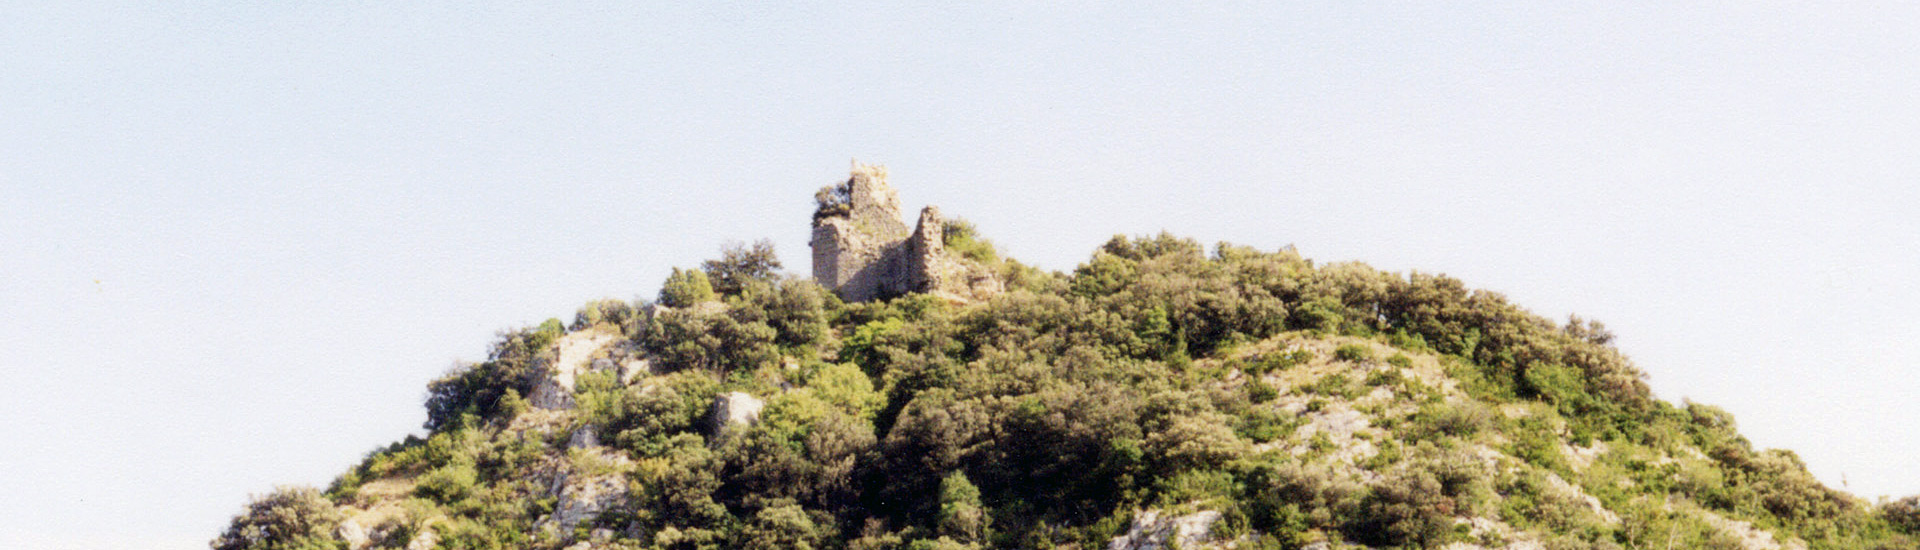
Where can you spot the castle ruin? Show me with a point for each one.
(862, 250)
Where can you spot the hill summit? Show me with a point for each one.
(922, 392)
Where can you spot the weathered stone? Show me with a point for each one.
(556, 368)
(580, 497)
(632, 369)
(583, 438)
(736, 408)
(862, 251)
(355, 534)
(1152, 532)
(423, 541)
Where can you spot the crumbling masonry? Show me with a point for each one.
(863, 251)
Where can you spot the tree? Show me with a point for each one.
(961, 516)
(738, 265)
(781, 528)
(685, 288)
(289, 518)
(1904, 514)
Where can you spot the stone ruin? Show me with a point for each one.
(863, 251)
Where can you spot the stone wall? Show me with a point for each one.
(863, 251)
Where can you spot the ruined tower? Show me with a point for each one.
(862, 251)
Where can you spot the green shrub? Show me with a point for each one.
(1277, 361)
(1353, 352)
(740, 266)
(964, 239)
(447, 484)
(1400, 360)
(961, 515)
(786, 527)
(1903, 514)
(1437, 420)
(1386, 377)
(612, 312)
(290, 518)
(1264, 424)
(843, 385)
(1336, 384)
(685, 288)
(1259, 391)
(1210, 488)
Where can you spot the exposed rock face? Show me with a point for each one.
(1152, 532)
(556, 370)
(355, 535)
(736, 408)
(1749, 537)
(585, 437)
(863, 251)
(580, 496)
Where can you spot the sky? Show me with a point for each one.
(238, 239)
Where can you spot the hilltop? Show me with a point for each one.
(922, 391)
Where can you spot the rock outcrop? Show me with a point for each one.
(570, 357)
(1150, 531)
(583, 495)
(863, 251)
(736, 408)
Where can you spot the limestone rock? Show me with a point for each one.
(633, 369)
(1150, 531)
(583, 438)
(423, 541)
(580, 497)
(355, 534)
(736, 408)
(556, 368)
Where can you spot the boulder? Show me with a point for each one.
(736, 408)
(584, 437)
(354, 534)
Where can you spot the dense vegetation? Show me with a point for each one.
(1158, 375)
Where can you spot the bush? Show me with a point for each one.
(1335, 384)
(961, 516)
(1903, 514)
(1259, 391)
(739, 266)
(1353, 352)
(781, 528)
(1264, 424)
(1415, 505)
(686, 288)
(613, 312)
(289, 518)
(1278, 361)
(1400, 360)
(447, 484)
(1437, 420)
(962, 238)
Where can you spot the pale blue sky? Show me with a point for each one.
(238, 239)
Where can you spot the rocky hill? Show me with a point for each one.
(922, 392)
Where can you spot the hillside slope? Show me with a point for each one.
(1160, 396)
